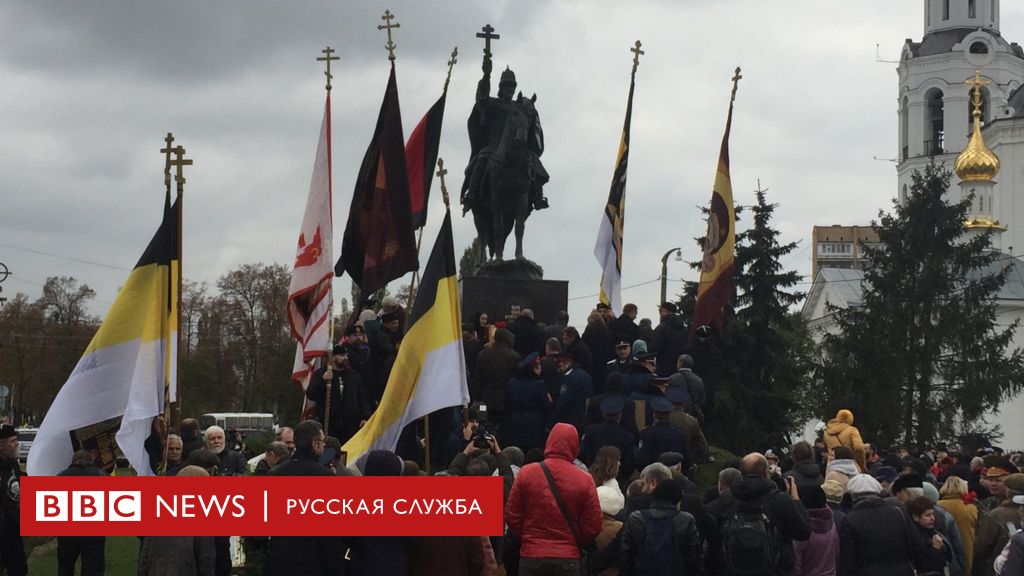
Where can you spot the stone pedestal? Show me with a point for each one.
(495, 296)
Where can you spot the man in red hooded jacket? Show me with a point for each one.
(547, 543)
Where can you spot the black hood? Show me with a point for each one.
(752, 489)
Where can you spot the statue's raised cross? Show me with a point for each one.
(976, 84)
(387, 18)
(440, 174)
(180, 162)
(327, 58)
(488, 35)
(637, 53)
(167, 160)
(735, 83)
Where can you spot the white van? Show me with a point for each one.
(244, 422)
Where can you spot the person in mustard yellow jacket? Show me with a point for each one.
(840, 432)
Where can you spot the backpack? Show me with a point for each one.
(750, 544)
(657, 555)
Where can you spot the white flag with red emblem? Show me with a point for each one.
(309, 295)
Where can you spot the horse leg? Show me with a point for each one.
(520, 227)
(498, 236)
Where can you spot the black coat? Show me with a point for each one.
(662, 437)
(805, 474)
(350, 403)
(232, 463)
(602, 348)
(875, 540)
(494, 367)
(383, 350)
(670, 339)
(306, 555)
(685, 537)
(527, 409)
(574, 387)
(624, 326)
(787, 515)
(628, 421)
(608, 434)
(528, 336)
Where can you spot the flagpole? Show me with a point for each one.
(168, 140)
(180, 162)
(327, 58)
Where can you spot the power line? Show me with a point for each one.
(66, 258)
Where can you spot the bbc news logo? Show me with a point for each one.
(88, 506)
(260, 506)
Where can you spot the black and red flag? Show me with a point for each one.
(379, 244)
(421, 156)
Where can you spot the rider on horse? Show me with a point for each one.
(486, 127)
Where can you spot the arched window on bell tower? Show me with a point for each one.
(945, 9)
(905, 129)
(972, 8)
(934, 123)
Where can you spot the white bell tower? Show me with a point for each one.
(945, 14)
(934, 103)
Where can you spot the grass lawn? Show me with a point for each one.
(122, 556)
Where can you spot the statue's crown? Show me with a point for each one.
(508, 76)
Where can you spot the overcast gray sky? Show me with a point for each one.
(90, 89)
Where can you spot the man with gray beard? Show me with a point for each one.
(232, 463)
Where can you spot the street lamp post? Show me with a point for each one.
(664, 270)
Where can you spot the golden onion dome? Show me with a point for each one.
(977, 163)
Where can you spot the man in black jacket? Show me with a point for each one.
(90, 548)
(626, 322)
(529, 337)
(232, 463)
(670, 338)
(350, 404)
(12, 549)
(784, 510)
(610, 432)
(307, 555)
(683, 555)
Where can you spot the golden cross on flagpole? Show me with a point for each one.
(451, 62)
(735, 84)
(167, 160)
(387, 18)
(327, 58)
(976, 84)
(180, 162)
(637, 53)
(440, 174)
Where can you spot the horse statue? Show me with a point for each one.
(510, 177)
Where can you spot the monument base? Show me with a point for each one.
(496, 296)
(517, 269)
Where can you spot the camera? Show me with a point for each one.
(481, 438)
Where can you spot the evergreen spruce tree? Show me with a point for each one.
(766, 350)
(922, 359)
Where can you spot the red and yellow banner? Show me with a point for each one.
(716, 272)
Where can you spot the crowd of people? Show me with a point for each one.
(597, 437)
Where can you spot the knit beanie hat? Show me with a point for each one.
(611, 500)
(931, 492)
(383, 463)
